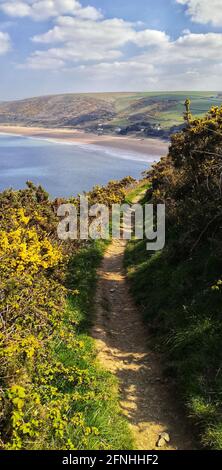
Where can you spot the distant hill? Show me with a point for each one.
(119, 112)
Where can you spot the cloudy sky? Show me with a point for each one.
(58, 46)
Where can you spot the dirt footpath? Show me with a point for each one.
(147, 399)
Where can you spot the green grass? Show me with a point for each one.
(184, 316)
(98, 396)
(200, 103)
(166, 108)
(140, 188)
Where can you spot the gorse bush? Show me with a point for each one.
(31, 309)
(53, 394)
(179, 288)
(189, 181)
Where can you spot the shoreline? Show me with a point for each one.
(150, 146)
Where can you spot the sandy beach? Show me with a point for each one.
(156, 147)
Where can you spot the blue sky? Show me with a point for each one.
(58, 46)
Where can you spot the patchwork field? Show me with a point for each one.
(107, 110)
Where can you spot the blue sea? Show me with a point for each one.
(64, 169)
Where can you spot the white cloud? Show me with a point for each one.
(115, 32)
(150, 37)
(139, 74)
(94, 55)
(200, 46)
(115, 54)
(107, 33)
(55, 58)
(120, 75)
(16, 8)
(5, 43)
(204, 11)
(40, 61)
(44, 9)
(89, 13)
(80, 41)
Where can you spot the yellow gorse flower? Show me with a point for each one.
(22, 248)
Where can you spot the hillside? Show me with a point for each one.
(153, 113)
(178, 289)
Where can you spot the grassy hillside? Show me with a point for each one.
(179, 288)
(87, 111)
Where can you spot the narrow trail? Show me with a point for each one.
(147, 399)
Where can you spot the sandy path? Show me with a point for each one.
(147, 399)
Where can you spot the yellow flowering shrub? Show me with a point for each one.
(22, 249)
(29, 313)
(50, 385)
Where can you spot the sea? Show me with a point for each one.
(64, 169)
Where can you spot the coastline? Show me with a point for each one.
(156, 147)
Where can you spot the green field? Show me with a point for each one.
(87, 111)
(164, 108)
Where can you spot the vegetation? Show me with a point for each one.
(53, 393)
(139, 189)
(179, 288)
(130, 111)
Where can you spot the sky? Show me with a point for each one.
(65, 46)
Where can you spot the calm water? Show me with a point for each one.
(63, 169)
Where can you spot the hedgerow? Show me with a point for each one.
(179, 289)
(53, 394)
